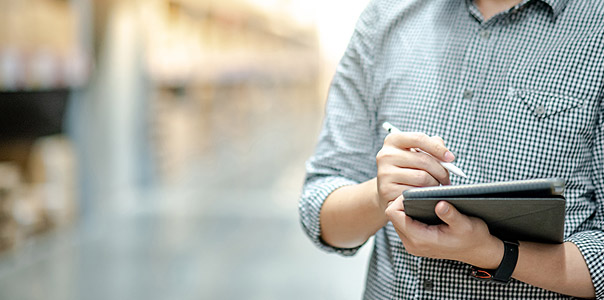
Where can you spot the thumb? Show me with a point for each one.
(448, 213)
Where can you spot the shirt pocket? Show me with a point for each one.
(545, 104)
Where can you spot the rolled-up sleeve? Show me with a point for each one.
(345, 153)
(591, 242)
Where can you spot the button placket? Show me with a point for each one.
(474, 70)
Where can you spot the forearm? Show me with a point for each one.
(351, 214)
(558, 268)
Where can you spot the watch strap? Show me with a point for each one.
(508, 263)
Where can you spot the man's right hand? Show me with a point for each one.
(400, 167)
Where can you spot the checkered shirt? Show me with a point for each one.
(516, 97)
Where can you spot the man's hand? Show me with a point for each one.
(460, 238)
(400, 167)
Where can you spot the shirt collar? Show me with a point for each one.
(557, 6)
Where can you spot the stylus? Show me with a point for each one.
(449, 166)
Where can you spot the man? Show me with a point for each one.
(509, 90)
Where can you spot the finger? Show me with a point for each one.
(429, 164)
(408, 140)
(388, 187)
(394, 210)
(423, 163)
(450, 215)
(406, 226)
(439, 139)
(414, 178)
(396, 213)
(397, 204)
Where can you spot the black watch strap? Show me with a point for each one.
(503, 273)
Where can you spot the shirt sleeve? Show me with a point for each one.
(345, 153)
(591, 242)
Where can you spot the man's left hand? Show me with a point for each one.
(462, 238)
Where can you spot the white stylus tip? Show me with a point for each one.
(454, 169)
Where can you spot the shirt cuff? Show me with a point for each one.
(591, 245)
(314, 194)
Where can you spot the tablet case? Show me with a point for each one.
(529, 210)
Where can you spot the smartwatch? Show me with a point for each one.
(503, 273)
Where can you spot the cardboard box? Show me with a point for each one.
(53, 184)
(10, 182)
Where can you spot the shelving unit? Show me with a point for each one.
(42, 59)
(214, 65)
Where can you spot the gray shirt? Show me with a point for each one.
(516, 97)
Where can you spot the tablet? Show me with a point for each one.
(531, 210)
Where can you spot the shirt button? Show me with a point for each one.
(540, 110)
(485, 34)
(521, 94)
(468, 94)
(428, 285)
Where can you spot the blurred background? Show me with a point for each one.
(154, 149)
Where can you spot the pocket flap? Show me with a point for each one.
(545, 104)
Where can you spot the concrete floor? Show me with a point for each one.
(230, 232)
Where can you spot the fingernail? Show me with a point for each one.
(449, 157)
(444, 208)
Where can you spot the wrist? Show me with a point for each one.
(378, 207)
(372, 195)
(372, 207)
(349, 216)
(489, 256)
